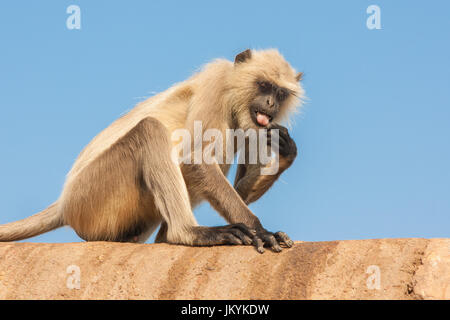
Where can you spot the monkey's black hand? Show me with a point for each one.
(264, 238)
(232, 234)
(286, 145)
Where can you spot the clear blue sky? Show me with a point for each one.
(374, 137)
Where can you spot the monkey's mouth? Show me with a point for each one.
(261, 118)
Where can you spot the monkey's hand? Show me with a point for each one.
(233, 234)
(286, 145)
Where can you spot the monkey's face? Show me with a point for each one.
(265, 89)
(267, 103)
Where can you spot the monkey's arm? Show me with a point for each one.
(218, 191)
(250, 183)
(225, 199)
(231, 203)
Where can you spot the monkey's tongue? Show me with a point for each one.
(262, 119)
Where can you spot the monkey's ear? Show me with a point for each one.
(299, 76)
(243, 56)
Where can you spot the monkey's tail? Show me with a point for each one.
(44, 221)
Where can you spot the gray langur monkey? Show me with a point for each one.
(124, 183)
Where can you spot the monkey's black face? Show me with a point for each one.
(267, 103)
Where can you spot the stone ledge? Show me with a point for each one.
(355, 269)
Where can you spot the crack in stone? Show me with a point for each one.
(416, 264)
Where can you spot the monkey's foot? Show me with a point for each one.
(233, 234)
(264, 238)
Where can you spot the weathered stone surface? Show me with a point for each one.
(360, 269)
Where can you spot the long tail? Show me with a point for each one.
(44, 221)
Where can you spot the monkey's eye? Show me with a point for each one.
(282, 94)
(264, 86)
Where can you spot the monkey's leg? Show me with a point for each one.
(143, 236)
(162, 233)
(163, 178)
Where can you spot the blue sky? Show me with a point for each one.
(374, 137)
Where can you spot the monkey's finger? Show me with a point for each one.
(271, 242)
(282, 141)
(284, 238)
(229, 238)
(259, 244)
(246, 230)
(240, 235)
(282, 131)
(279, 127)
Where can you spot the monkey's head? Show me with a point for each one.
(264, 89)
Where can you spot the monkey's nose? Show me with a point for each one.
(270, 102)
